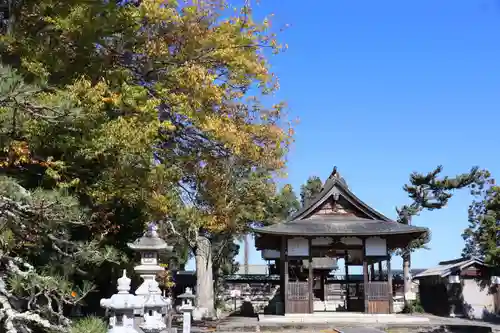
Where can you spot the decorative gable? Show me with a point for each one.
(340, 207)
(336, 199)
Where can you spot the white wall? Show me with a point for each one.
(477, 299)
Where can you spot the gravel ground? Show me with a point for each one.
(436, 325)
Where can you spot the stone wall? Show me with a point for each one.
(258, 294)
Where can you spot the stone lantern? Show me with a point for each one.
(186, 309)
(149, 246)
(122, 306)
(154, 307)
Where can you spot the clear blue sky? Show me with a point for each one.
(384, 88)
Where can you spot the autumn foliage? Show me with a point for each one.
(143, 110)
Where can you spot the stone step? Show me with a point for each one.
(342, 318)
(341, 314)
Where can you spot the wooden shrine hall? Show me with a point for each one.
(335, 225)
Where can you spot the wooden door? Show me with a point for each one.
(298, 297)
(377, 294)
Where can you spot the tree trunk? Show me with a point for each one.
(406, 277)
(406, 270)
(245, 256)
(204, 279)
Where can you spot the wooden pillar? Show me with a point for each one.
(365, 277)
(323, 289)
(284, 272)
(346, 258)
(389, 281)
(372, 272)
(380, 272)
(282, 269)
(311, 279)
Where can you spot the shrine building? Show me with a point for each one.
(335, 225)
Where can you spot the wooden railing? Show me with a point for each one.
(298, 291)
(297, 297)
(377, 290)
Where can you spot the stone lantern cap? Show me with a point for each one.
(123, 300)
(155, 298)
(150, 241)
(187, 295)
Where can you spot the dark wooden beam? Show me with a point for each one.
(380, 275)
(389, 281)
(365, 277)
(346, 282)
(284, 272)
(311, 278)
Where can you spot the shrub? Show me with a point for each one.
(89, 325)
(414, 307)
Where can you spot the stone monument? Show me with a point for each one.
(122, 306)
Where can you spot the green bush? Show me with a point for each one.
(89, 325)
(414, 307)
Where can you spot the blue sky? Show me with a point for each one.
(384, 88)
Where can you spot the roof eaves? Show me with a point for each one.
(425, 274)
(473, 261)
(445, 273)
(462, 265)
(269, 231)
(433, 271)
(446, 270)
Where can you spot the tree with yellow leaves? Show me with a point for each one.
(170, 125)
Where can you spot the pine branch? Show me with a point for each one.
(17, 319)
(44, 219)
(429, 192)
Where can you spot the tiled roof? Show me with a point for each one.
(374, 223)
(446, 268)
(340, 226)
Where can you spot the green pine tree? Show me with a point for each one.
(310, 189)
(430, 191)
(482, 237)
